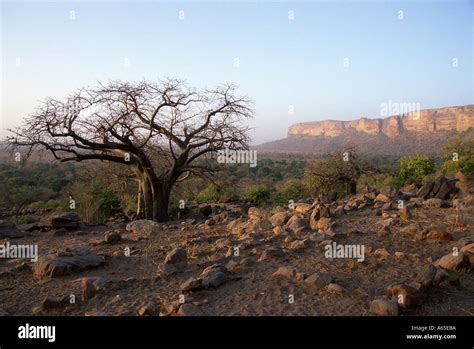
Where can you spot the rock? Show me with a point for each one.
(440, 276)
(438, 235)
(405, 213)
(148, 310)
(9, 230)
(112, 236)
(425, 278)
(52, 265)
(167, 269)
(297, 224)
(335, 288)
(91, 286)
(302, 208)
(382, 198)
(453, 262)
(178, 258)
(258, 225)
(388, 191)
(325, 224)
(339, 211)
(318, 280)
(29, 226)
(69, 220)
(287, 272)
(405, 295)
(300, 244)
(271, 252)
(256, 213)
(435, 203)
(143, 228)
(382, 253)
(446, 189)
(214, 276)
(191, 284)
(425, 190)
(319, 237)
(50, 303)
(279, 231)
(205, 211)
(384, 307)
(279, 219)
(188, 309)
(320, 211)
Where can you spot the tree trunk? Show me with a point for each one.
(161, 198)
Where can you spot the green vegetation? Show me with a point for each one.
(458, 155)
(415, 167)
(257, 194)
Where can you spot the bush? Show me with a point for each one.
(292, 189)
(458, 155)
(415, 167)
(257, 194)
(208, 194)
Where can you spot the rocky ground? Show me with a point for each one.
(230, 259)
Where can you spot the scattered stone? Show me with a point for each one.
(148, 310)
(438, 235)
(288, 272)
(91, 286)
(55, 303)
(300, 244)
(453, 262)
(272, 252)
(384, 307)
(335, 288)
(427, 275)
(302, 208)
(440, 276)
(382, 253)
(297, 224)
(319, 280)
(435, 203)
(405, 295)
(382, 198)
(405, 213)
(112, 236)
(214, 276)
(279, 219)
(9, 230)
(425, 190)
(143, 228)
(178, 258)
(188, 309)
(54, 265)
(69, 220)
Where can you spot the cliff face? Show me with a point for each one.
(458, 119)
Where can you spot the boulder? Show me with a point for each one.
(405, 295)
(69, 262)
(438, 235)
(178, 257)
(318, 280)
(143, 228)
(425, 190)
(112, 236)
(453, 262)
(69, 220)
(384, 307)
(302, 208)
(297, 224)
(91, 286)
(435, 203)
(212, 276)
(9, 230)
(447, 188)
(287, 272)
(279, 219)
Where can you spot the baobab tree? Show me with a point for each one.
(162, 132)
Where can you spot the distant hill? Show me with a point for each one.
(398, 135)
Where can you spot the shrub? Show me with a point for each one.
(257, 194)
(208, 194)
(415, 167)
(292, 189)
(458, 155)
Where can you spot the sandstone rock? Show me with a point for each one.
(440, 276)
(50, 266)
(178, 258)
(272, 252)
(205, 211)
(143, 228)
(258, 225)
(446, 189)
(297, 224)
(9, 230)
(388, 191)
(335, 288)
(435, 203)
(318, 280)
(382, 253)
(112, 236)
(382, 198)
(302, 208)
(453, 262)
(148, 310)
(320, 211)
(50, 303)
(384, 307)
(438, 235)
(300, 244)
(91, 286)
(426, 277)
(191, 284)
(256, 213)
(214, 276)
(69, 220)
(287, 272)
(279, 219)
(405, 214)
(405, 295)
(425, 190)
(188, 309)
(325, 224)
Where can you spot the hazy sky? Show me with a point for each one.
(280, 61)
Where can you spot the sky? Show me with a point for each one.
(297, 60)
